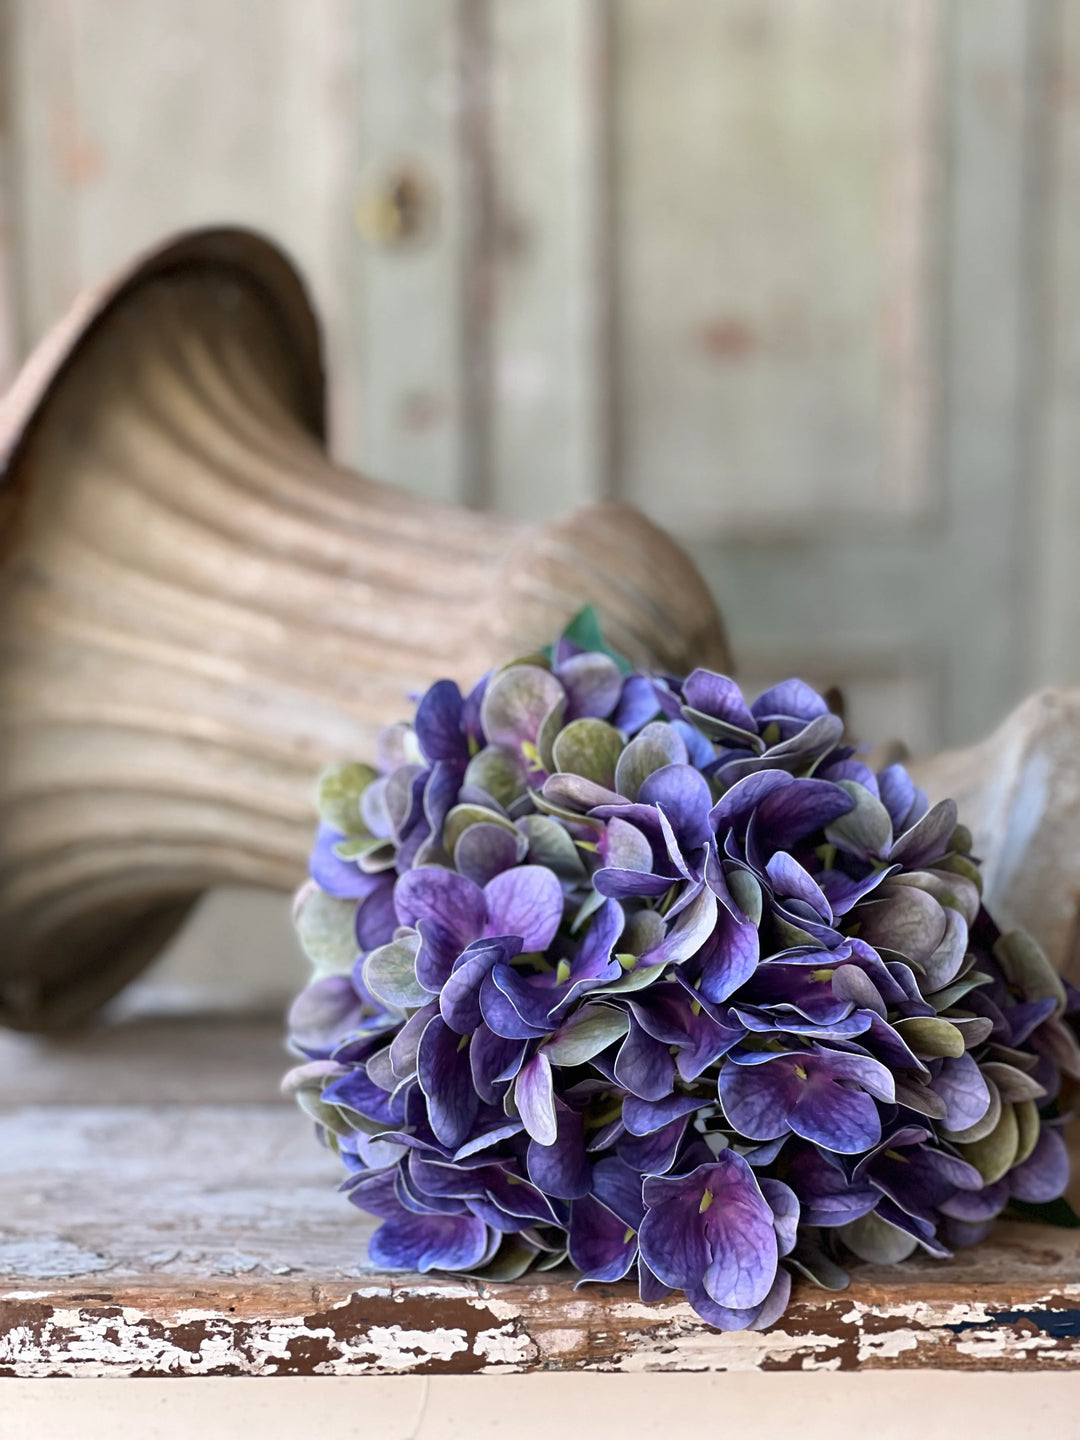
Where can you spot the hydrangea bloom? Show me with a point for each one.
(623, 969)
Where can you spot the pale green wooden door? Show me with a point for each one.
(799, 277)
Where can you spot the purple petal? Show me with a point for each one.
(758, 1099)
(960, 1084)
(428, 1242)
(438, 723)
(619, 1187)
(485, 850)
(441, 793)
(684, 796)
(451, 905)
(526, 901)
(645, 1117)
(842, 892)
(602, 1247)
(376, 916)
(828, 1198)
(562, 1168)
(593, 685)
(624, 847)
(637, 704)
(784, 1204)
(788, 878)
(928, 839)
(501, 1013)
(900, 797)
(377, 1194)
(406, 1043)
(1045, 1173)
(324, 1013)
(356, 1091)
(653, 1154)
(644, 1065)
(341, 878)
(977, 1206)
(515, 703)
(535, 1098)
(442, 1067)
(676, 1016)
(719, 696)
(732, 960)
(846, 1121)
(712, 1228)
(630, 884)
(757, 1317)
(691, 930)
(791, 698)
(493, 1060)
(744, 797)
(787, 816)
(459, 1000)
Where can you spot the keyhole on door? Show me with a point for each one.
(397, 210)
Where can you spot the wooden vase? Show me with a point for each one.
(198, 608)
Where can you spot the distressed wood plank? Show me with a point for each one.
(209, 1239)
(773, 231)
(549, 100)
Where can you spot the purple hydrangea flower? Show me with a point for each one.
(631, 972)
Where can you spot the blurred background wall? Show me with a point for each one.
(801, 278)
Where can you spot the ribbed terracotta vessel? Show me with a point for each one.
(198, 608)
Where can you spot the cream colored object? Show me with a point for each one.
(198, 608)
(1019, 793)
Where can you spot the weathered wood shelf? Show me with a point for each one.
(162, 1213)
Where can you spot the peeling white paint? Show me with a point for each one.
(77, 1340)
(503, 1348)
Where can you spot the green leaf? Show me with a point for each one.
(1052, 1212)
(584, 630)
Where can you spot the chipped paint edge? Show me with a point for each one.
(448, 1329)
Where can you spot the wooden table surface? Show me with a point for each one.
(162, 1212)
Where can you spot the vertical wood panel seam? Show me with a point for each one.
(605, 256)
(475, 483)
(1044, 207)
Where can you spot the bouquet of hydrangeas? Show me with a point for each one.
(624, 969)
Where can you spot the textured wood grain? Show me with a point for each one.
(199, 609)
(204, 1239)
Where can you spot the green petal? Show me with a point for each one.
(390, 974)
(498, 772)
(327, 931)
(876, 1240)
(1026, 966)
(638, 761)
(515, 703)
(590, 1030)
(865, 829)
(930, 1037)
(590, 748)
(337, 796)
(995, 1154)
(461, 817)
(550, 845)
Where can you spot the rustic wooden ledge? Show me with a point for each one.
(161, 1213)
